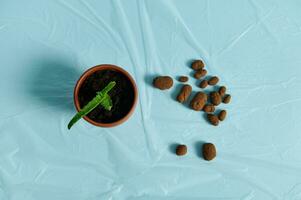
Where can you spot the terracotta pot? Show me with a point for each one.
(99, 68)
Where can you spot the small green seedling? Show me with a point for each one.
(101, 98)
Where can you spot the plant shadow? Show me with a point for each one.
(52, 83)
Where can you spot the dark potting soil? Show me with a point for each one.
(122, 95)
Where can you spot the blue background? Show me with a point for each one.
(252, 45)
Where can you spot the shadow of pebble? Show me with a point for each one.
(217, 111)
(205, 117)
(149, 79)
(175, 91)
(52, 83)
(178, 79)
(191, 75)
(215, 88)
(198, 148)
(189, 62)
(173, 148)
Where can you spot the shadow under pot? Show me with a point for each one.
(124, 95)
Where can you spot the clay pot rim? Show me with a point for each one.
(101, 67)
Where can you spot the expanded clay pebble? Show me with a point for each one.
(183, 79)
(209, 151)
(222, 90)
(163, 82)
(213, 119)
(222, 115)
(181, 150)
(198, 101)
(203, 84)
(197, 65)
(227, 98)
(184, 93)
(209, 108)
(213, 80)
(215, 98)
(200, 73)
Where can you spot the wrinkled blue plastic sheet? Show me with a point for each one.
(252, 45)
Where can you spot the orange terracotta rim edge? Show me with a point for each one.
(99, 68)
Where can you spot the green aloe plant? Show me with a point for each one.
(101, 98)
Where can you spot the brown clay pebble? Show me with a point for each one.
(163, 82)
(203, 84)
(227, 98)
(209, 108)
(213, 119)
(184, 93)
(198, 101)
(215, 98)
(222, 90)
(209, 151)
(213, 80)
(222, 115)
(197, 65)
(181, 150)
(200, 73)
(183, 79)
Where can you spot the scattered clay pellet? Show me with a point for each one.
(222, 115)
(209, 108)
(215, 98)
(200, 73)
(227, 98)
(197, 65)
(184, 93)
(222, 90)
(183, 79)
(198, 101)
(209, 151)
(213, 119)
(203, 84)
(181, 150)
(213, 80)
(163, 82)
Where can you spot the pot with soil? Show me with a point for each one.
(123, 95)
